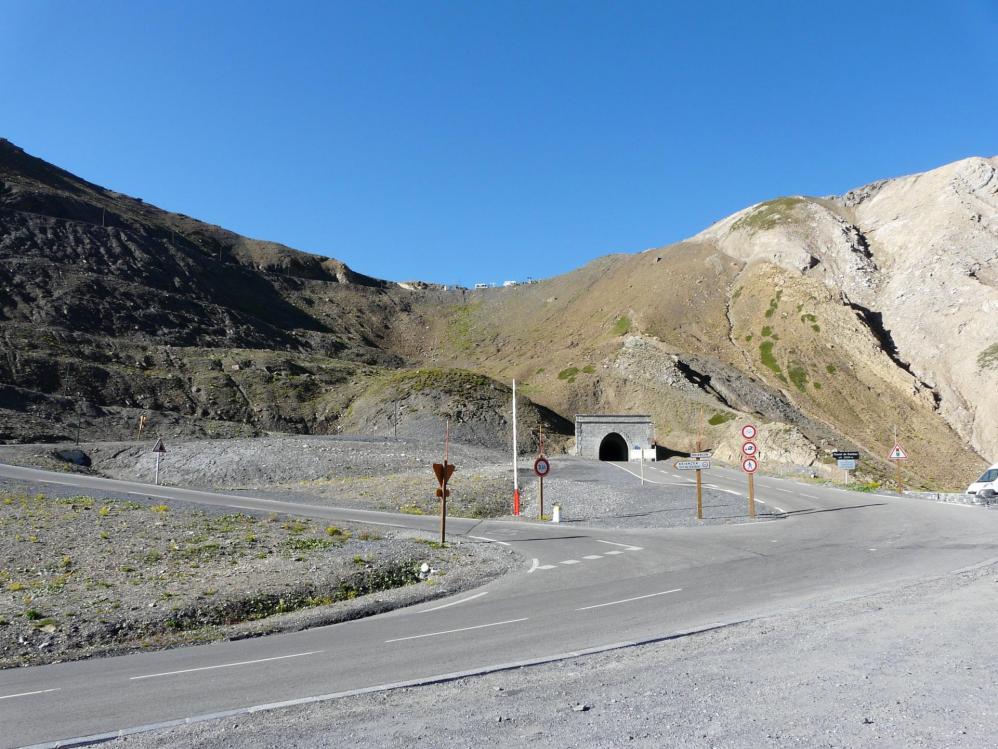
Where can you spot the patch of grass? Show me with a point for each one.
(830, 368)
(737, 293)
(568, 373)
(308, 544)
(798, 376)
(332, 530)
(774, 304)
(15, 586)
(431, 543)
(720, 418)
(768, 360)
(808, 318)
(622, 326)
(540, 371)
(33, 615)
(411, 509)
(816, 328)
(766, 332)
(816, 385)
(367, 536)
(748, 338)
(988, 358)
(160, 508)
(770, 214)
(589, 369)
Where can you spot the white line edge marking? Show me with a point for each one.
(455, 603)
(593, 556)
(226, 665)
(28, 694)
(628, 600)
(635, 475)
(462, 629)
(569, 561)
(629, 547)
(493, 540)
(547, 566)
(534, 565)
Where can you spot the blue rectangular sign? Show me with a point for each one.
(848, 465)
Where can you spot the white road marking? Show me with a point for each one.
(593, 556)
(226, 665)
(785, 491)
(569, 561)
(628, 547)
(495, 541)
(636, 475)
(534, 565)
(547, 566)
(455, 603)
(608, 553)
(809, 496)
(872, 549)
(462, 629)
(628, 600)
(28, 694)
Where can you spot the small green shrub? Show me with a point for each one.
(798, 376)
(766, 332)
(720, 418)
(33, 615)
(589, 369)
(830, 368)
(768, 360)
(622, 326)
(568, 373)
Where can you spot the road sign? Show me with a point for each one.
(750, 465)
(441, 492)
(750, 449)
(700, 456)
(749, 431)
(160, 447)
(847, 464)
(898, 453)
(443, 475)
(692, 465)
(542, 467)
(845, 455)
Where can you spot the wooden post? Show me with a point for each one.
(751, 495)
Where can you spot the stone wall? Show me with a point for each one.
(591, 429)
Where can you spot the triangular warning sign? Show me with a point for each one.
(898, 453)
(160, 447)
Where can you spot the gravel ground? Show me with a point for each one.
(81, 576)
(913, 667)
(396, 475)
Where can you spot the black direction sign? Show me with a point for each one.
(845, 455)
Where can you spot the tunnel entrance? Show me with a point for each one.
(613, 447)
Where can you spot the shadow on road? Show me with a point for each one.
(834, 509)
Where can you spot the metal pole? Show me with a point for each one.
(516, 478)
(699, 497)
(157, 468)
(542, 497)
(396, 419)
(642, 459)
(751, 495)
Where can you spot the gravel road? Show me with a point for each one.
(913, 667)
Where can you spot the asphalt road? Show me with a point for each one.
(580, 589)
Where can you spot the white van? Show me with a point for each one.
(988, 479)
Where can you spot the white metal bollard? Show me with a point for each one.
(556, 513)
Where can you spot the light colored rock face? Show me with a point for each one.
(922, 252)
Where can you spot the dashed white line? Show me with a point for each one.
(809, 496)
(455, 603)
(628, 600)
(569, 561)
(608, 553)
(226, 665)
(28, 694)
(593, 556)
(462, 629)
(534, 565)
(547, 566)
(493, 540)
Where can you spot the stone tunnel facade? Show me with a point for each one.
(612, 436)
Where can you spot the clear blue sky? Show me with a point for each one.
(481, 141)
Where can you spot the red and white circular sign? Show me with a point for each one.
(749, 449)
(542, 467)
(749, 431)
(750, 465)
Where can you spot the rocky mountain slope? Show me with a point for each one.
(828, 321)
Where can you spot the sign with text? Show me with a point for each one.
(692, 465)
(847, 464)
(845, 455)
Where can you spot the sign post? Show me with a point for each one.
(159, 449)
(443, 472)
(750, 464)
(846, 460)
(542, 467)
(897, 455)
(516, 478)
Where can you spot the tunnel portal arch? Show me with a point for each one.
(613, 447)
(593, 434)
